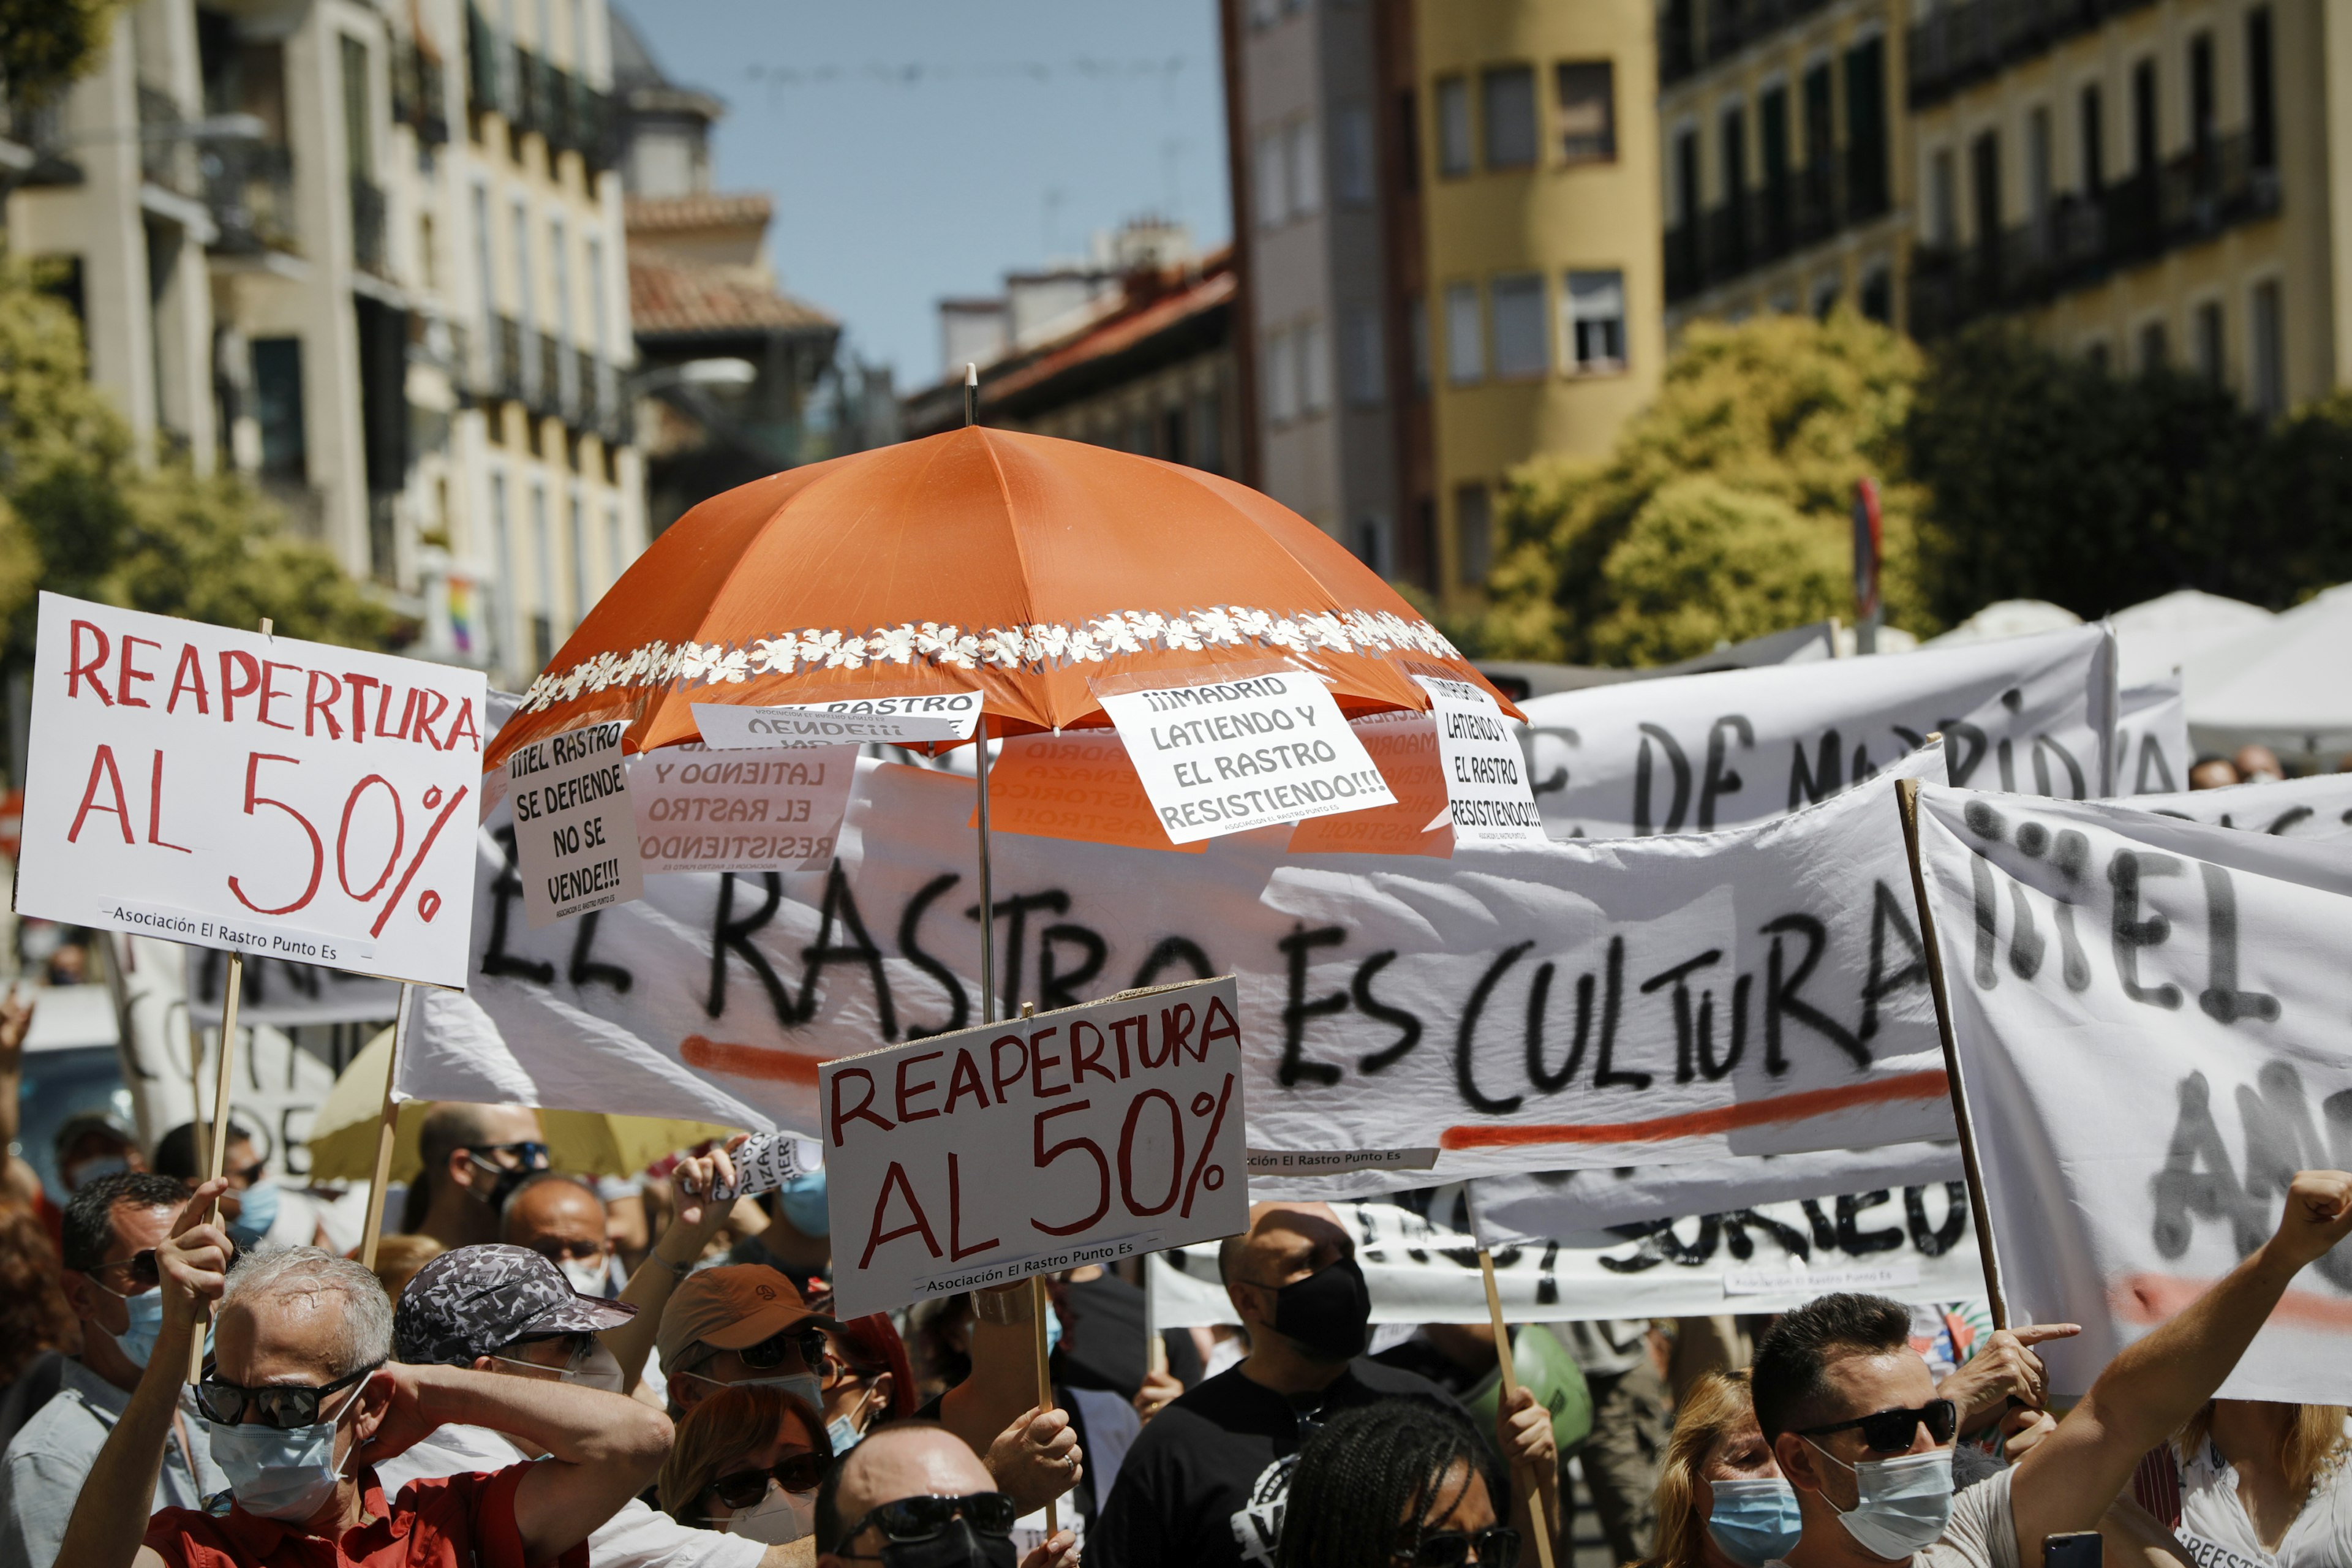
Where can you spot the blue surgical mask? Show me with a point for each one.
(802, 1200)
(1901, 1505)
(137, 1340)
(843, 1431)
(1052, 1328)
(1756, 1519)
(257, 1209)
(282, 1475)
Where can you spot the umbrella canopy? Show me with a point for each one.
(343, 1131)
(1026, 567)
(2282, 684)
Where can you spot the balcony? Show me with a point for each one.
(39, 129)
(368, 226)
(506, 377)
(166, 158)
(582, 393)
(249, 190)
(1732, 24)
(1962, 44)
(1759, 228)
(2081, 241)
(420, 97)
(549, 382)
(489, 86)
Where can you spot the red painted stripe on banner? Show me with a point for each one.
(749, 1061)
(2153, 1297)
(1798, 1107)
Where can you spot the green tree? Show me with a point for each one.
(1725, 510)
(44, 44)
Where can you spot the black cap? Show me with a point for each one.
(476, 1300)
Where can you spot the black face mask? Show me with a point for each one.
(503, 1182)
(957, 1546)
(1329, 1314)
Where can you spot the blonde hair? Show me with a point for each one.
(719, 1431)
(398, 1258)
(1716, 1406)
(2315, 1444)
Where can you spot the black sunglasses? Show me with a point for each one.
(530, 1154)
(770, 1352)
(800, 1472)
(922, 1518)
(1889, 1431)
(140, 1270)
(283, 1405)
(1497, 1546)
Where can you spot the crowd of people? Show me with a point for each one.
(536, 1371)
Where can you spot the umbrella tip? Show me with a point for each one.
(970, 373)
(970, 393)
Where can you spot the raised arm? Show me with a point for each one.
(110, 1517)
(2158, 1382)
(15, 1022)
(601, 1449)
(698, 1219)
(1003, 1381)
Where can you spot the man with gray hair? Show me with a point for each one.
(301, 1400)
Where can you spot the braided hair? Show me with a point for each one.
(1374, 1478)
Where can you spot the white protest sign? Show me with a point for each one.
(1227, 756)
(1915, 1244)
(2151, 1020)
(732, 811)
(848, 721)
(1485, 775)
(2152, 748)
(576, 832)
(1083, 1135)
(1758, 991)
(1508, 1210)
(226, 789)
(2319, 807)
(1692, 752)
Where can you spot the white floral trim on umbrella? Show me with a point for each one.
(1372, 633)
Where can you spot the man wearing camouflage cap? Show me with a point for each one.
(508, 1310)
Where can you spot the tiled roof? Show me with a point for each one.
(655, 215)
(1117, 334)
(672, 294)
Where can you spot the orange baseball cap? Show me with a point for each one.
(731, 1308)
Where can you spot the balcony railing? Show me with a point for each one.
(368, 226)
(1762, 226)
(1732, 24)
(249, 189)
(548, 384)
(166, 158)
(2081, 241)
(1959, 44)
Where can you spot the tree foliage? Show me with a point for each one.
(79, 515)
(1724, 511)
(44, 44)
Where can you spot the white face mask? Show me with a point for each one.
(776, 1519)
(1901, 1505)
(601, 1370)
(588, 1275)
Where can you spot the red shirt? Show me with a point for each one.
(449, 1521)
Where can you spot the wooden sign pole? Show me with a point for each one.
(1505, 1362)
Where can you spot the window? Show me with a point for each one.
(1984, 155)
(1866, 144)
(1596, 319)
(1372, 542)
(559, 264)
(1452, 125)
(2269, 334)
(1305, 169)
(1878, 296)
(359, 143)
(502, 559)
(1314, 367)
(1273, 188)
(1587, 112)
(526, 307)
(1732, 133)
(596, 299)
(1687, 192)
(1474, 534)
(1520, 351)
(277, 407)
(615, 551)
(1352, 160)
(2094, 140)
(1416, 328)
(1509, 93)
(2037, 165)
(1363, 375)
(1209, 432)
(1821, 130)
(485, 277)
(2144, 142)
(1828, 290)
(2153, 349)
(1173, 445)
(1465, 356)
(2211, 364)
(1943, 201)
(2201, 107)
(2261, 109)
(542, 550)
(1281, 378)
(582, 597)
(1772, 127)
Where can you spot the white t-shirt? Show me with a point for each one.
(2218, 1533)
(1982, 1532)
(638, 1536)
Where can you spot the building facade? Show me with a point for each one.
(1445, 214)
(371, 256)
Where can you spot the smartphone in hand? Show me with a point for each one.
(2076, 1549)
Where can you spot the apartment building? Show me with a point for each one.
(1445, 216)
(371, 256)
(1786, 179)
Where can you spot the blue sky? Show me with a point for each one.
(919, 148)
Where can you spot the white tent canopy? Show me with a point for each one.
(2282, 684)
(2177, 629)
(2009, 618)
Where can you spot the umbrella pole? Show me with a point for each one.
(987, 905)
(216, 1157)
(387, 1130)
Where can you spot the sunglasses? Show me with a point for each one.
(923, 1518)
(283, 1405)
(1890, 1431)
(1496, 1546)
(137, 1274)
(770, 1352)
(556, 1251)
(798, 1472)
(579, 1348)
(530, 1154)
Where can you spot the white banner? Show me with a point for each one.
(1486, 776)
(2152, 748)
(1509, 1210)
(2319, 807)
(1913, 1244)
(2150, 1018)
(231, 790)
(702, 811)
(1227, 756)
(285, 994)
(1083, 1135)
(1756, 992)
(848, 721)
(575, 831)
(1695, 753)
